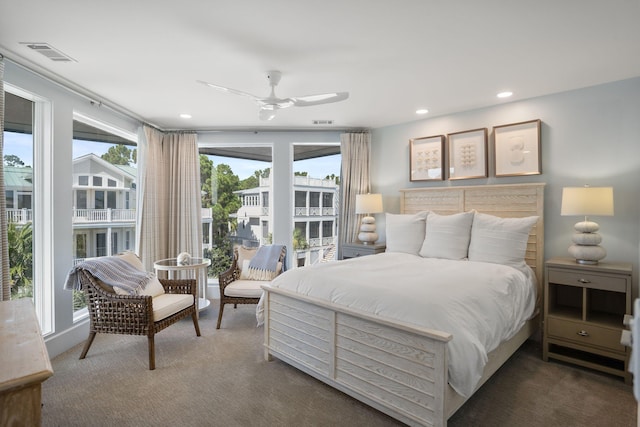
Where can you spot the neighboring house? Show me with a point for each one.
(315, 216)
(104, 207)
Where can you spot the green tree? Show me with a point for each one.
(21, 259)
(206, 184)
(301, 174)
(254, 180)
(120, 155)
(333, 178)
(13, 160)
(299, 240)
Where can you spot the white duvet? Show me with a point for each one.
(480, 304)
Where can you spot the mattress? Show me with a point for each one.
(480, 304)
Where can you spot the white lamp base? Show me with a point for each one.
(586, 248)
(368, 234)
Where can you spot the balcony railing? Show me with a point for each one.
(104, 215)
(19, 216)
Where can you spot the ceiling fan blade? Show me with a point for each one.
(229, 90)
(324, 98)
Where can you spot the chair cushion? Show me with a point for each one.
(245, 288)
(167, 304)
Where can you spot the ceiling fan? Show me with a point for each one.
(270, 104)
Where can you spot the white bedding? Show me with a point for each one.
(480, 304)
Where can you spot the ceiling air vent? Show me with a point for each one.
(322, 122)
(49, 51)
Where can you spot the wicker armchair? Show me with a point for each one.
(234, 289)
(111, 313)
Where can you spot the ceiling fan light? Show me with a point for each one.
(267, 114)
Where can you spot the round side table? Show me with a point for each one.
(196, 269)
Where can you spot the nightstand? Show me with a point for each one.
(584, 308)
(354, 250)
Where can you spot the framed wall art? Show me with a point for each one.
(517, 149)
(468, 154)
(426, 158)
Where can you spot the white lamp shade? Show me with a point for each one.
(587, 201)
(368, 203)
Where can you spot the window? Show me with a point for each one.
(99, 200)
(101, 244)
(316, 170)
(81, 246)
(9, 199)
(111, 199)
(81, 199)
(99, 226)
(236, 185)
(18, 177)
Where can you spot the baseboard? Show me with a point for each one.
(63, 341)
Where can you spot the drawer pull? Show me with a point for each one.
(584, 280)
(583, 333)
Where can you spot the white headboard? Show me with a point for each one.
(506, 201)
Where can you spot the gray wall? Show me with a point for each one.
(589, 136)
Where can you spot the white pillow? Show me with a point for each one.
(405, 232)
(153, 288)
(500, 240)
(447, 236)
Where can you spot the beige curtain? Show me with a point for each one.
(169, 203)
(5, 279)
(355, 150)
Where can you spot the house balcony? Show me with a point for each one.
(85, 216)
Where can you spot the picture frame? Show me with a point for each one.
(468, 154)
(426, 158)
(517, 149)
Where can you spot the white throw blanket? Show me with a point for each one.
(480, 304)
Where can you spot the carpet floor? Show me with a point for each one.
(222, 379)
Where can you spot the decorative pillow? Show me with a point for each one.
(500, 240)
(251, 274)
(405, 232)
(447, 236)
(153, 288)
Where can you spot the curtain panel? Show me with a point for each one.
(169, 201)
(355, 149)
(5, 278)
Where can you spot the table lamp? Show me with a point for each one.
(587, 201)
(368, 204)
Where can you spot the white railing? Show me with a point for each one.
(19, 216)
(314, 211)
(330, 211)
(326, 241)
(302, 211)
(104, 215)
(315, 242)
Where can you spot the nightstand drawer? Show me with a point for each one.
(587, 280)
(351, 252)
(586, 333)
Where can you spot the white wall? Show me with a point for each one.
(589, 136)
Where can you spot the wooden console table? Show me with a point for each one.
(24, 363)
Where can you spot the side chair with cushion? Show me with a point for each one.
(242, 282)
(114, 310)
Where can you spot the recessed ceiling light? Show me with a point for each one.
(505, 94)
(185, 116)
(422, 111)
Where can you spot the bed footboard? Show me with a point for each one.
(398, 369)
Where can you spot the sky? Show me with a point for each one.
(21, 145)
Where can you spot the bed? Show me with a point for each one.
(395, 365)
